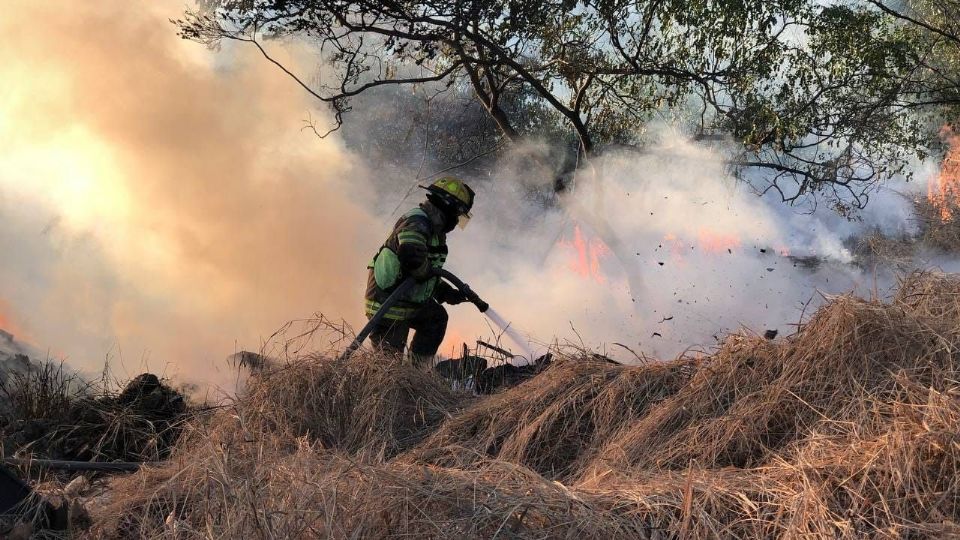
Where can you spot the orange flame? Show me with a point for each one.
(453, 342)
(8, 324)
(675, 247)
(713, 242)
(944, 191)
(708, 241)
(587, 254)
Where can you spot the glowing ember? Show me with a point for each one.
(713, 242)
(587, 254)
(944, 192)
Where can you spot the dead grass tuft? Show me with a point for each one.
(935, 231)
(367, 406)
(557, 422)
(53, 413)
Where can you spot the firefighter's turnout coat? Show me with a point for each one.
(422, 225)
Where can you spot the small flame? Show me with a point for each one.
(9, 324)
(708, 241)
(944, 191)
(713, 242)
(587, 255)
(676, 248)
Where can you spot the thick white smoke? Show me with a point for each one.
(160, 204)
(663, 252)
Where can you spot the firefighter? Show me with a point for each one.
(417, 247)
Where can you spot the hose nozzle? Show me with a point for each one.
(474, 298)
(481, 305)
(471, 296)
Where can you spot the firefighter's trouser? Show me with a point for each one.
(429, 325)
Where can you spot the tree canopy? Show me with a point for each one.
(821, 99)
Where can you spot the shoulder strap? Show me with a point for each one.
(416, 211)
(418, 214)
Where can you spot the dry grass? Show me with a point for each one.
(367, 407)
(935, 231)
(754, 397)
(557, 422)
(40, 391)
(846, 429)
(878, 249)
(53, 413)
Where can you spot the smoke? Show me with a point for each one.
(162, 207)
(658, 253)
(160, 203)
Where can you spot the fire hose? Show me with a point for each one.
(395, 297)
(65, 465)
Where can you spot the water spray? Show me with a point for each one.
(490, 313)
(512, 334)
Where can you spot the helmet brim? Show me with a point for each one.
(461, 209)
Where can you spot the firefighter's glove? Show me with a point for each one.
(413, 257)
(454, 297)
(447, 294)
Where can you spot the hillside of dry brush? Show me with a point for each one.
(848, 428)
